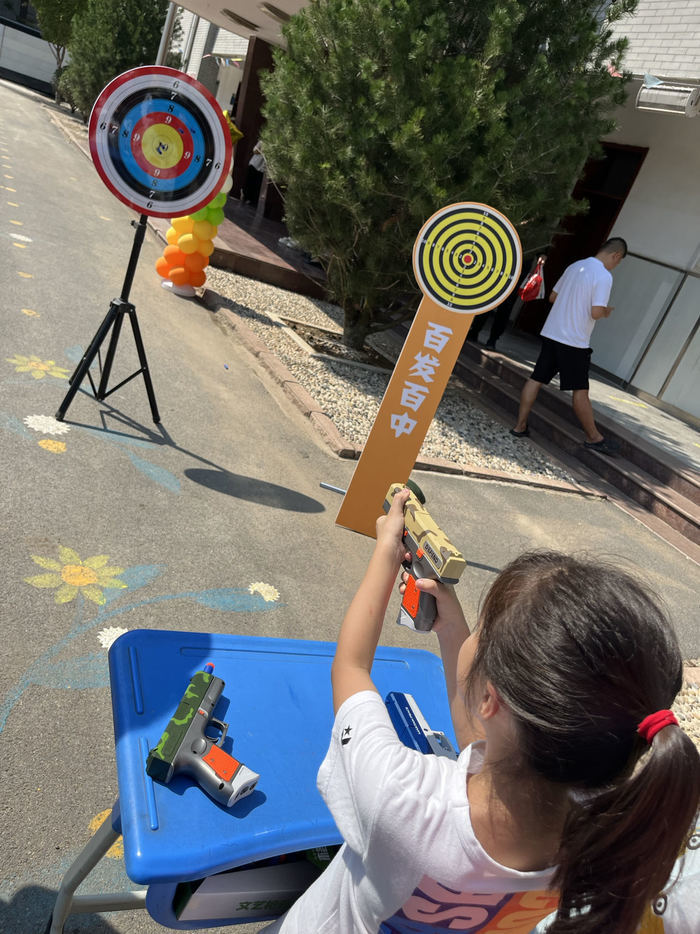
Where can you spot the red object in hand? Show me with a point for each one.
(534, 287)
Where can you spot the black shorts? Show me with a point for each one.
(571, 363)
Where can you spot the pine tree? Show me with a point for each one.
(55, 20)
(380, 112)
(109, 37)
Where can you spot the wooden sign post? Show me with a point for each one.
(467, 259)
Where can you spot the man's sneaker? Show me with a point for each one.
(604, 446)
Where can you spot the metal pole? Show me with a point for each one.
(167, 35)
(187, 54)
(333, 489)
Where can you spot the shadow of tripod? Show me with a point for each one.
(113, 320)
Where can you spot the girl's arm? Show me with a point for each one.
(453, 632)
(361, 628)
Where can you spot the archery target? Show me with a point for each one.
(160, 141)
(467, 258)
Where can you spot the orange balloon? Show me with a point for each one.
(162, 267)
(174, 255)
(179, 276)
(206, 247)
(197, 277)
(171, 235)
(196, 261)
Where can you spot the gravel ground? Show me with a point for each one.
(461, 433)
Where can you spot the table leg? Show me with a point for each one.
(67, 903)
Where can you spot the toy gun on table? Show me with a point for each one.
(185, 749)
(432, 555)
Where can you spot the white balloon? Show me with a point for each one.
(228, 184)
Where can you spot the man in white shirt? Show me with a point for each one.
(579, 299)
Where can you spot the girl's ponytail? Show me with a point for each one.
(582, 653)
(619, 845)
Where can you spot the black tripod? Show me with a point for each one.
(114, 317)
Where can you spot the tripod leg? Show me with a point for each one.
(82, 369)
(144, 363)
(121, 307)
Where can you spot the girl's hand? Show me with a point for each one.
(390, 528)
(449, 610)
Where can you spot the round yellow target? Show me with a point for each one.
(162, 146)
(467, 258)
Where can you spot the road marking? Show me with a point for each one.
(25, 275)
(21, 237)
(20, 246)
(642, 405)
(13, 204)
(30, 313)
(17, 223)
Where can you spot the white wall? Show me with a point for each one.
(661, 216)
(26, 55)
(657, 308)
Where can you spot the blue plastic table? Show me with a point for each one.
(277, 702)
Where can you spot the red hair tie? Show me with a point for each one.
(651, 725)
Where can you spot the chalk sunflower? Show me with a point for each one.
(70, 576)
(269, 593)
(37, 367)
(56, 447)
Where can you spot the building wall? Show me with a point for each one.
(660, 215)
(25, 57)
(652, 339)
(210, 60)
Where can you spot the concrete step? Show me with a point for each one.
(644, 473)
(652, 460)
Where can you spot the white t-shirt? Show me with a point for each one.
(582, 285)
(677, 910)
(410, 854)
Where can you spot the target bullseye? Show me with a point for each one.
(160, 141)
(467, 258)
(162, 146)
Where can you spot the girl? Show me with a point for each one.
(575, 787)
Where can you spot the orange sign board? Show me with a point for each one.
(467, 259)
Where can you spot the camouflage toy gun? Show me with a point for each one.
(432, 555)
(185, 749)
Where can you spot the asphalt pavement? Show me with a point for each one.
(212, 521)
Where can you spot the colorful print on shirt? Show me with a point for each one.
(437, 909)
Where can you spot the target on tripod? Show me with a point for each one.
(467, 258)
(160, 141)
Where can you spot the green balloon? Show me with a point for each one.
(202, 214)
(215, 216)
(219, 201)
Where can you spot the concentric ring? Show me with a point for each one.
(159, 141)
(467, 257)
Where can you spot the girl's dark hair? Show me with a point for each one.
(581, 652)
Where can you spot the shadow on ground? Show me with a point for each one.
(254, 490)
(29, 912)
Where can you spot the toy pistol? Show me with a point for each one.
(184, 748)
(412, 727)
(432, 555)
